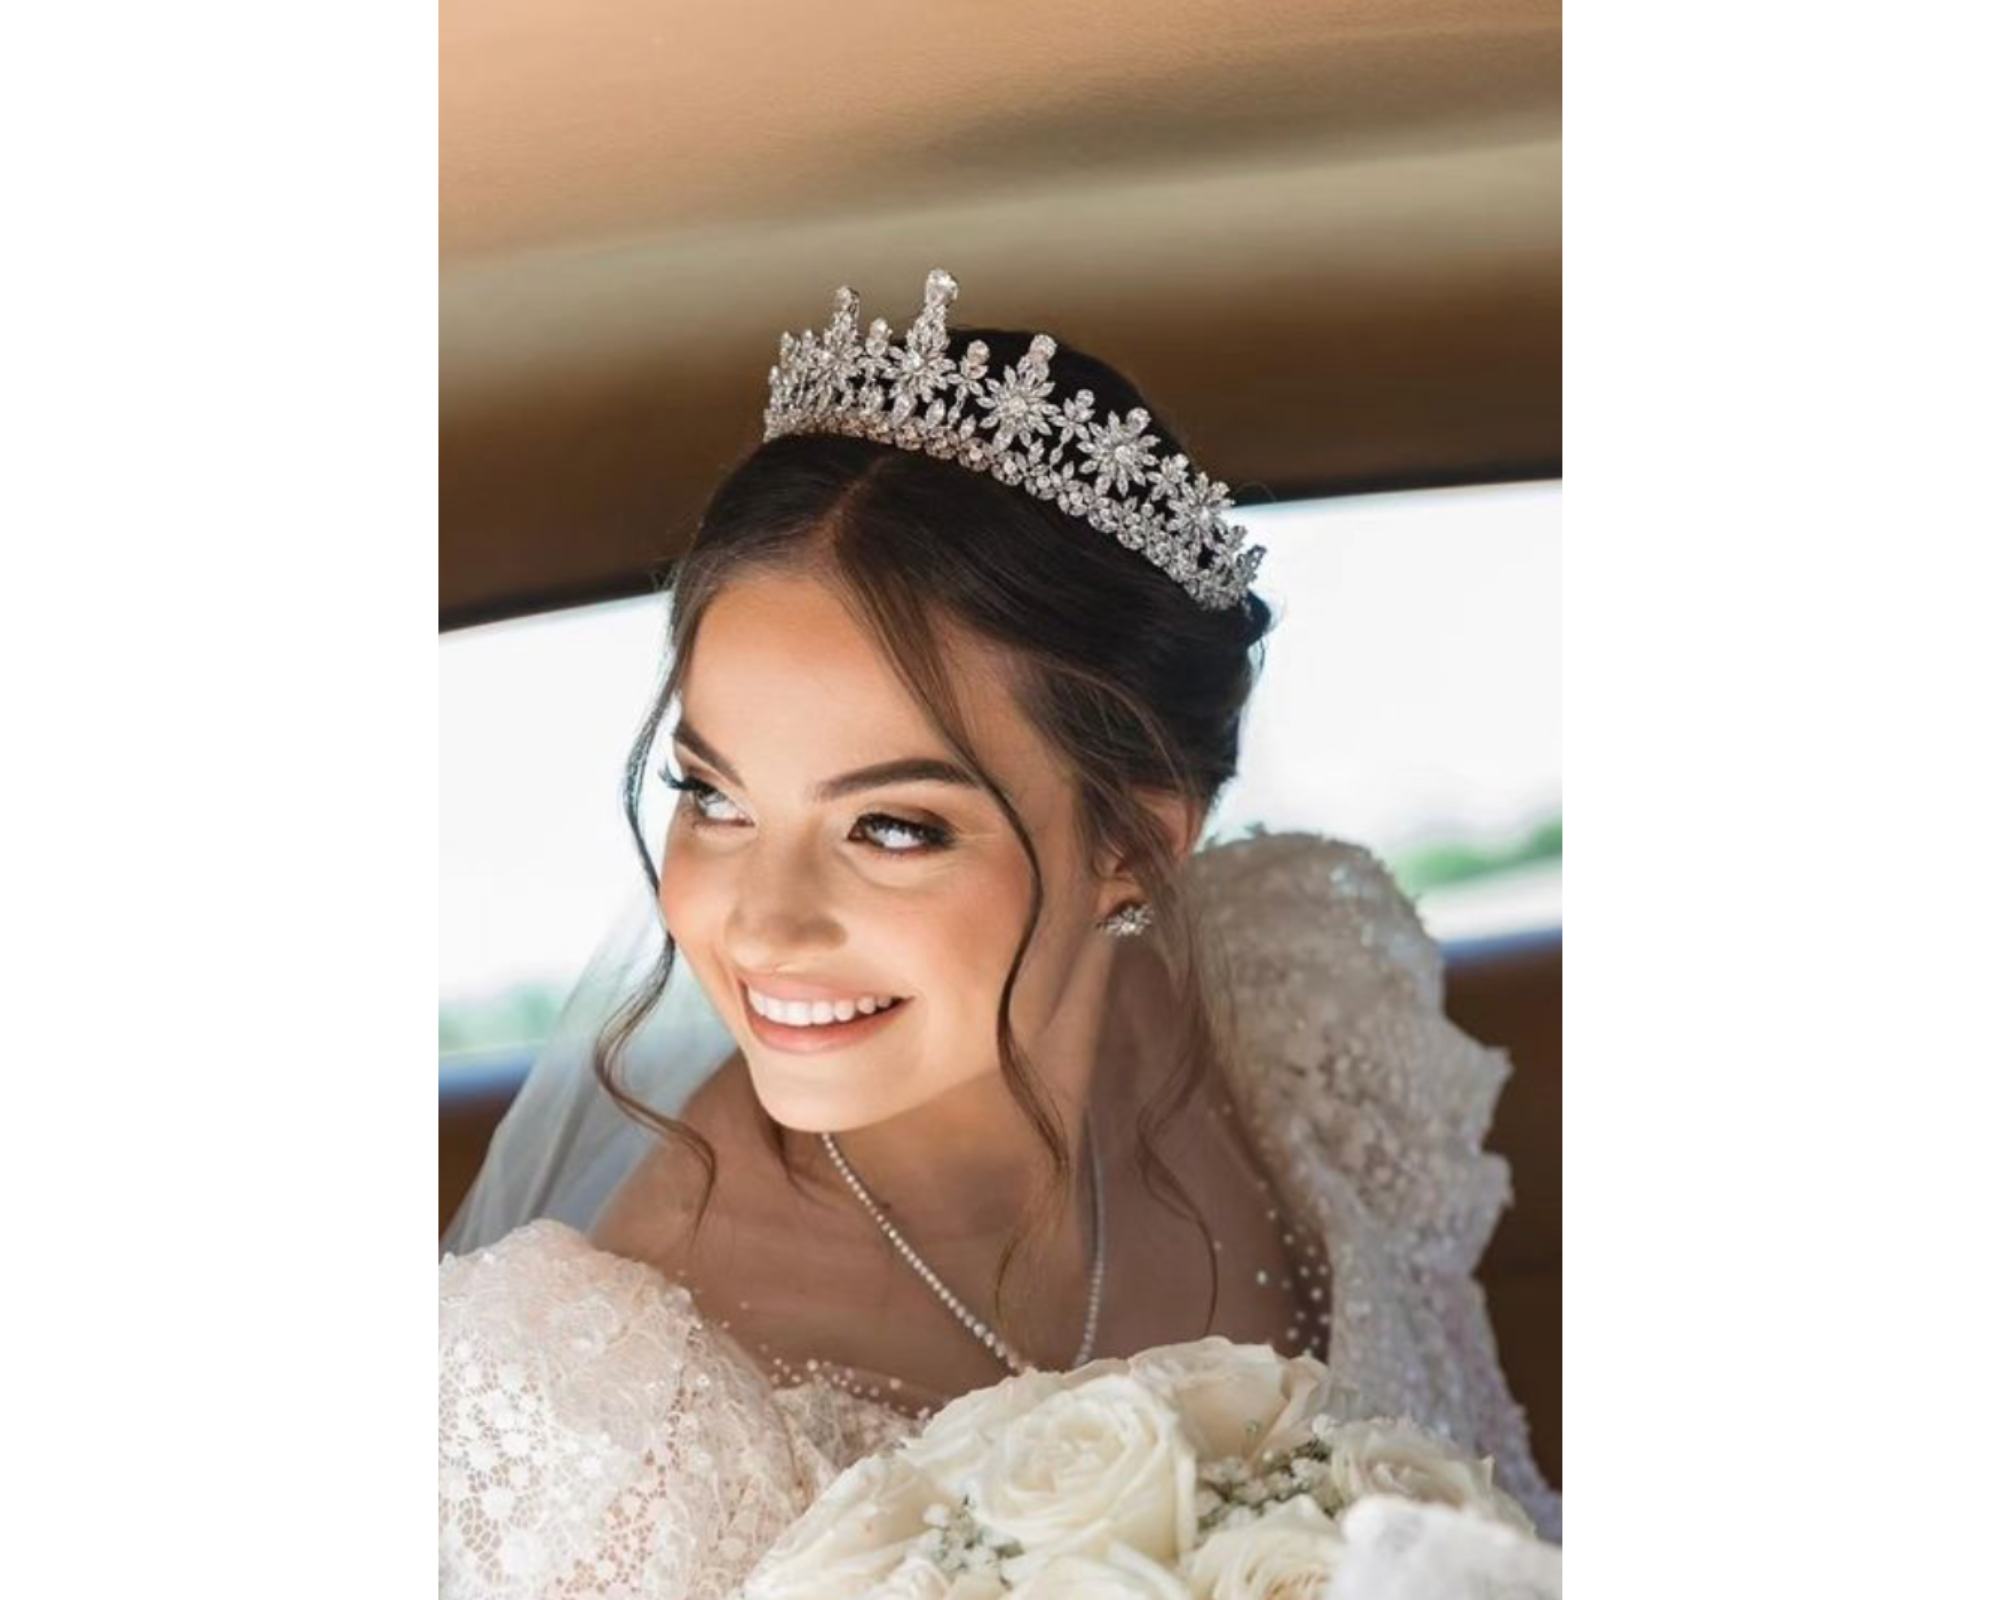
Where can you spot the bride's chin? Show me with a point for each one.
(785, 1087)
(809, 1122)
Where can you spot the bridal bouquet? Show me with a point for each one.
(1202, 1471)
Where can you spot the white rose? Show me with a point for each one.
(851, 1539)
(1226, 1393)
(1121, 1573)
(1385, 1456)
(1104, 1462)
(959, 1435)
(1288, 1553)
(976, 1586)
(920, 1578)
(1242, 1399)
(1325, 1395)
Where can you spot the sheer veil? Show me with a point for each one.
(564, 1145)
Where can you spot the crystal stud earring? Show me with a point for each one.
(1134, 917)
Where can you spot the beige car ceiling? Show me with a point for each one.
(1324, 237)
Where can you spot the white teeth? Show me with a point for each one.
(816, 1013)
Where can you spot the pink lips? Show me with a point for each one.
(822, 1037)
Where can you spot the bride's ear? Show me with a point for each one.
(1180, 819)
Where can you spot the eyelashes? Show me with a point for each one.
(928, 836)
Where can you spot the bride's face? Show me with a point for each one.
(804, 866)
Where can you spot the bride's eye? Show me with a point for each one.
(919, 837)
(698, 796)
(904, 837)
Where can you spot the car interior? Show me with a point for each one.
(1331, 241)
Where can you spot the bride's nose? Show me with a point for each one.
(781, 911)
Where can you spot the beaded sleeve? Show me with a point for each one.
(1372, 1108)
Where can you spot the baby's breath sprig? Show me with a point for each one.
(1236, 1490)
(959, 1542)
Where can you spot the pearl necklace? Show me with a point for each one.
(974, 1326)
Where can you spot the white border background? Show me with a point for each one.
(219, 514)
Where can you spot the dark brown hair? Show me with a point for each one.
(1133, 685)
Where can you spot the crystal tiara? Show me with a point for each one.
(915, 396)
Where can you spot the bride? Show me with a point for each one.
(940, 1048)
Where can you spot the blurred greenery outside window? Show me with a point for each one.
(1410, 702)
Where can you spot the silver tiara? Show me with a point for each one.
(840, 382)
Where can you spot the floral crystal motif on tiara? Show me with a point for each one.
(915, 396)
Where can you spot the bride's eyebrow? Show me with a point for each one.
(911, 769)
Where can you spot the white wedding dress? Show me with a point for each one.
(598, 1437)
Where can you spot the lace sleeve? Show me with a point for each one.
(594, 1439)
(1373, 1107)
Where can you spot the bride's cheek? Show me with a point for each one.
(970, 939)
(682, 898)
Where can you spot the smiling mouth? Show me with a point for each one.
(809, 1037)
(808, 1013)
